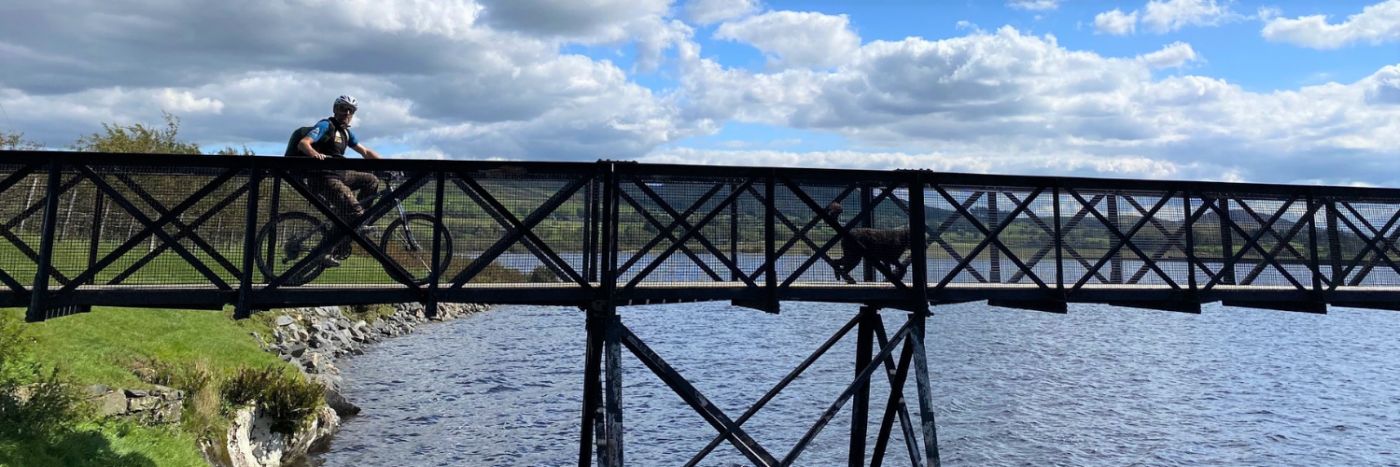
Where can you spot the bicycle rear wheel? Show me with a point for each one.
(284, 242)
(410, 244)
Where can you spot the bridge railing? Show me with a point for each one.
(80, 229)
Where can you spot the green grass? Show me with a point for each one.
(106, 444)
(98, 347)
(101, 347)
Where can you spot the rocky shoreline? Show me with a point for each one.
(313, 339)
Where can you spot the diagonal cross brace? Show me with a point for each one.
(136, 266)
(665, 233)
(157, 226)
(1371, 244)
(991, 236)
(520, 229)
(1124, 239)
(842, 231)
(861, 379)
(1188, 221)
(798, 234)
(345, 229)
(697, 401)
(6, 230)
(646, 248)
(505, 222)
(533, 242)
(1251, 241)
(768, 396)
(680, 220)
(184, 230)
(1045, 249)
(694, 231)
(897, 373)
(936, 233)
(1283, 242)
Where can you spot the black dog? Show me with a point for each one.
(875, 246)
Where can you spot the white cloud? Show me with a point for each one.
(1033, 5)
(185, 102)
(1115, 22)
(1383, 88)
(1171, 15)
(795, 39)
(1376, 24)
(1007, 102)
(713, 11)
(1163, 16)
(1174, 55)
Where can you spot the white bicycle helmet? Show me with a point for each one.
(347, 101)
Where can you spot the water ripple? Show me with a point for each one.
(1098, 387)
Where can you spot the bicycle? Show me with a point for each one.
(408, 240)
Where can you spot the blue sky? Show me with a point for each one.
(1273, 91)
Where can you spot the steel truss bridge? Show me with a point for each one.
(84, 229)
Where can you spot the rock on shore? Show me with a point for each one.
(313, 339)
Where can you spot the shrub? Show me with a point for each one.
(285, 397)
(542, 273)
(33, 402)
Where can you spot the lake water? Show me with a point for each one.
(1101, 386)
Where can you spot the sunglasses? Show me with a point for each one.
(346, 109)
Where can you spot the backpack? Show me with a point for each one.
(292, 149)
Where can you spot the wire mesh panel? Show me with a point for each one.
(1122, 237)
(1363, 235)
(990, 235)
(1265, 241)
(24, 190)
(851, 232)
(674, 229)
(514, 225)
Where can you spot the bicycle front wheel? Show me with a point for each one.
(284, 242)
(409, 242)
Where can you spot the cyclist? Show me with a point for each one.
(342, 188)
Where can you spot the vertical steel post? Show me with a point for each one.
(250, 232)
(1115, 267)
(589, 233)
(860, 402)
(867, 198)
(993, 253)
(95, 236)
(592, 387)
(928, 426)
(918, 239)
(1334, 243)
(1312, 245)
(39, 291)
(734, 232)
(1190, 242)
(435, 275)
(1226, 244)
(611, 451)
(770, 255)
(612, 417)
(1059, 243)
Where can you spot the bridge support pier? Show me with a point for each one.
(601, 422)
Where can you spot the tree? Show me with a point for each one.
(15, 142)
(138, 138)
(231, 151)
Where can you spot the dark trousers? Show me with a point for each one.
(343, 192)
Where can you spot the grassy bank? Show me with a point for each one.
(190, 350)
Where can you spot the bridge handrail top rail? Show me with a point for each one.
(510, 167)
